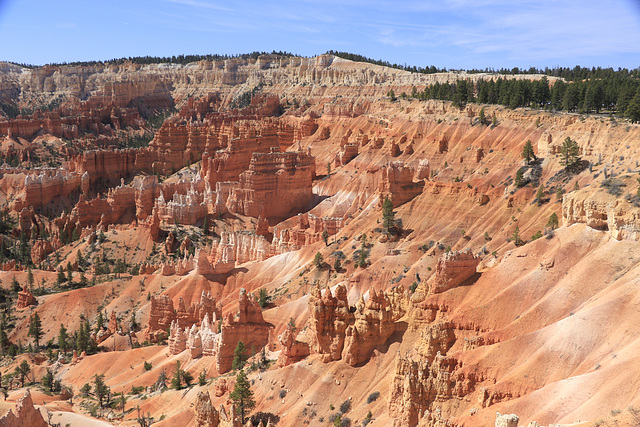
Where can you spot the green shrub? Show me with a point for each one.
(373, 397)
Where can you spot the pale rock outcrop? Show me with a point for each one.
(25, 414)
(292, 350)
(602, 211)
(374, 324)
(435, 339)
(206, 414)
(221, 387)
(397, 183)
(146, 190)
(329, 318)
(347, 153)
(424, 170)
(186, 209)
(452, 269)
(418, 384)
(225, 254)
(238, 247)
(161, 315)
(117, 207)
(40, 189)
(177, 338)
(506, 420)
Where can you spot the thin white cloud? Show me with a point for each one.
(199, 4)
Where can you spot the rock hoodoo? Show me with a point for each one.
(220, 341)
(25, 414)
(336, 331)
(163, 314)
(25, 299)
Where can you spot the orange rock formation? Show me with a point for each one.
(247, 326)
(25, 299)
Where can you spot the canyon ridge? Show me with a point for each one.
(383, 260)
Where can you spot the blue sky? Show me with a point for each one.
(448, 33)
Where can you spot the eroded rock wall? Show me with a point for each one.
(247, 326)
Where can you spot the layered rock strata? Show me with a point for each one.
(274, 185)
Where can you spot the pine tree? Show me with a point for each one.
(553, 221)
(263, 298)
(519, 180)
(391, 94)
(15, 286)
(122, 400)
(99, 321)
(187, 377)
(69, 273)
(362, 259)
(325, 237)
(388, 215)
(318, 260)
(570, 154)
(80, 258)
(100, 389)
(482, 117)
(82, 338)
(239, 356)
(63, 339)
(516, 236)
(4, 339)
(176, 381)
(633, 110)
(48, 380)
(83, 282)
(264, 362)
(35, 329)
(23, 370)
(242, 396)
(527, 152)
(30, 279)
(540, 194)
